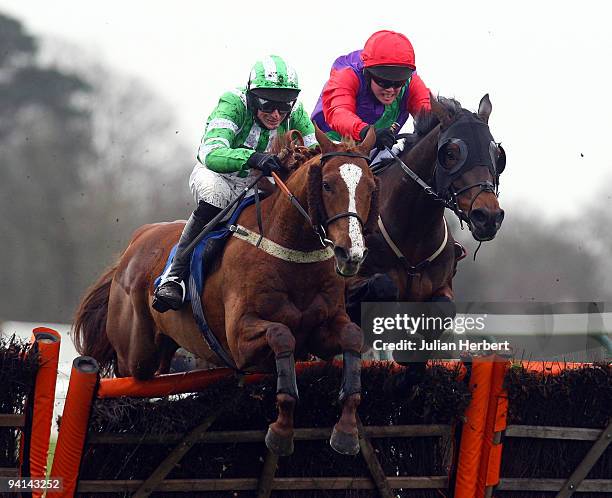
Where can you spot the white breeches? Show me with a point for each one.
(216, 188)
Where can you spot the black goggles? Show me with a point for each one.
(273, 105)
(388, 83)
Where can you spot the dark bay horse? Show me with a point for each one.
(457, 157)
(455, 163)
(266, 305)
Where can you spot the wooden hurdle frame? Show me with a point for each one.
(35, 423)
(475, 475)
(73, 433)
(11, 421)
(494, 430)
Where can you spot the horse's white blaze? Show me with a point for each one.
(351, 174)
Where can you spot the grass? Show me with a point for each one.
(51, 454)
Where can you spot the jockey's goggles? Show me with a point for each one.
(274, 105)
(386, 84)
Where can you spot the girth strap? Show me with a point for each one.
(211, 338)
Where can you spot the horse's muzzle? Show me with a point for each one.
(485, 223)
(347, 265)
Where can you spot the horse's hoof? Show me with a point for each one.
(279, 445)
(344, 443)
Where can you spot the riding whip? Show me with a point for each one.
(291, 197)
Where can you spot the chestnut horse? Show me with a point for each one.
(266, 305)
(413, 256)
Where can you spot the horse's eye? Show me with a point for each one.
(451, 155)
(326, 187)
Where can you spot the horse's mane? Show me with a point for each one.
(290, 152)
(425, 121)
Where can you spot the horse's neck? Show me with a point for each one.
(412, 217)
(284, 224)
(407, 197)
(421, 157)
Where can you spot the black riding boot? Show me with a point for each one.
(170, 294)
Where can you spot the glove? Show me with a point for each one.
(266, 163)
(384, 137)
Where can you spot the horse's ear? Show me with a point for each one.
(485, 108)
(326, 144)
(295, 137)
(439, 111)
(368, 142)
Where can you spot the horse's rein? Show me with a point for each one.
(422, 183)
(451, 202)
(292, 198)
(325, 242)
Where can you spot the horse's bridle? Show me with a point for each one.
(450, 199)
(321, 230)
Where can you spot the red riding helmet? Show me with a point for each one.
(389, 55)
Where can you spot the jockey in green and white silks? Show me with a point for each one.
(238, 133)
(233, 134)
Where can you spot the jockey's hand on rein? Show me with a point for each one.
(266, 163)
(385, 137)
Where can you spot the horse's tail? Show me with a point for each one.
(89, 328)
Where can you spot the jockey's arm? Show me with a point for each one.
(216, 152)
(340, 103)
(300, 121)
(418, 98)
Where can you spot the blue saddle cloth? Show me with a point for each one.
(198, 266)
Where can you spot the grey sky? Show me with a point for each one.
(546, 66)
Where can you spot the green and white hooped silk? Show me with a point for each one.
(273, 72)
(232, 134)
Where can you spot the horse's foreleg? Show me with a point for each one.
(167, 347)
(345, 437)
(279, 438)
(441, 306)
(444, 293)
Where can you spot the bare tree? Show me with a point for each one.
(87, 156)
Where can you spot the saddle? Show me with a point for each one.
(209, 249)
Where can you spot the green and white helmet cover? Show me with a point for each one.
(272, 72)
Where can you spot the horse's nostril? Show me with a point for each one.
(340, 253)
(478, 216)
(500, 217)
